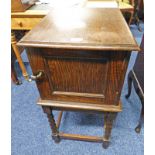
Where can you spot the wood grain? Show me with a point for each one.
(80, 76)
(84, 63)
(96, 29)
(78, 106)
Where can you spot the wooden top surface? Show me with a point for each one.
(82, 28)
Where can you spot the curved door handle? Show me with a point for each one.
(38, 76)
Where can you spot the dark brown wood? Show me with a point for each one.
(141, 118)
(136, 76)
(21, 5)
(92, 67)
(57, 135)
(96, 29)
(50, 116)
(130, 77)
(133, 79)
(14, 75)
(139, 65)
(108, 122)
(83, 63)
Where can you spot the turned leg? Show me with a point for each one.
(129, 84)
(109, 118)
(14, 75)
(141, 119)
(17, 53)
(50, 116)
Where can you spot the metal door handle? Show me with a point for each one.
(38, 76)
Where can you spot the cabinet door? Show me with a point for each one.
(79, 76)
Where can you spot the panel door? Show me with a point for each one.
(79, 76)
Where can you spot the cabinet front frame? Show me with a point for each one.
(117, 62)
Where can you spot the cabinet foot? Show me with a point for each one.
(105, 144)
(56, 139)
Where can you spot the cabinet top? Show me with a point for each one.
(82, 28)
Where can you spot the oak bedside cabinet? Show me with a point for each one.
(79, 58)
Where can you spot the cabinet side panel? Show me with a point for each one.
(116, 74)
(37, 64)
